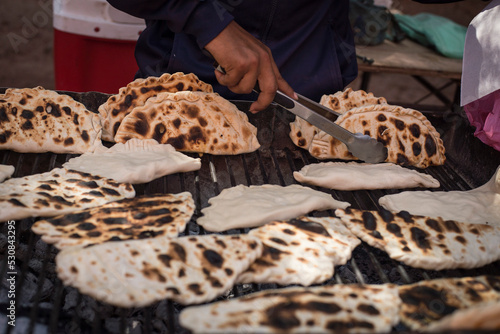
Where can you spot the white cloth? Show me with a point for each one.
(481, 62)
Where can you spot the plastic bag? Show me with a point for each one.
(446, 36)
(372, 24)
(484, 115)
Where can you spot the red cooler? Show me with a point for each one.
(93, 46)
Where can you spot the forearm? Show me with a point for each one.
(202, 19)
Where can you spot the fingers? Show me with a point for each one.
(247, 61)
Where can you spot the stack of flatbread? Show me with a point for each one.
(235, 207)
(136, 161)
(477, 206)
(191, 122)
(35, 120)
(164, 215)
(138, 91)
(484, 317)
(136, 273)
(410, 138)
(356, 176)
(326, 309)
(426, 303)
(57, 192)
(300, 251)
(423, 242)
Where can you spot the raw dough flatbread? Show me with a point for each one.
(57, 192)
(136, 161)
(300, 251)
(410, 138)
(243, 206)
(356, 176)
(138, 91)
(483, 317)
(136, 273)
(336, 308)
(477, 206)
(423, 242)
(343, 101)
(36, 120)
(141, 217)
(6, 171)
(429, 301)
(191, 122)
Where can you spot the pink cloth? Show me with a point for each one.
(484, 115)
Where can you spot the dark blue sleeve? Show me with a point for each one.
(204, 19)
(436, 1)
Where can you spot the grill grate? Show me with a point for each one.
(45, 305)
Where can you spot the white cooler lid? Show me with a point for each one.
(96, 18)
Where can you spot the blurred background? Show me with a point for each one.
(27, 45)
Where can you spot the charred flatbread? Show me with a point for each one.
(191, 122)
(136, 273)
(300, 251)
(164, 215)
(236, 207)
(336, 308)
(356, 176)
(410, 138)
(136, 161)
(482, 317)
(138, 91)
(429, 301)
(6, 171)
(57, 192)
(35, 120)
(343, 101)
(477, 206)
(423, 242)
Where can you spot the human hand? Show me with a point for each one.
(246, 62)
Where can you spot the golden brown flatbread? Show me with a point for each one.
(57, 192)
(423, 242)
(136, 273)
(141, 217)
(410, 138)
(138, 91)
(191, 122)
(429, 301)
(300, 251)
(36, 120)
(339, 308)
(343, 101)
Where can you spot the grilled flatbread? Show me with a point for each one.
(482, 317)
(356, 176)
(142, 217)
(343, 101)
(300, 251)
(136, 273)
(477, 206)
(57, 192)
(35, 120)
(191, 122)
(423, 242)
(6, 171)
(410, 138)
(136, 161)
(429, 301)
(337, 309)
(138, 91)
(236, 207)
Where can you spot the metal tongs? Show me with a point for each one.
(361, 146)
